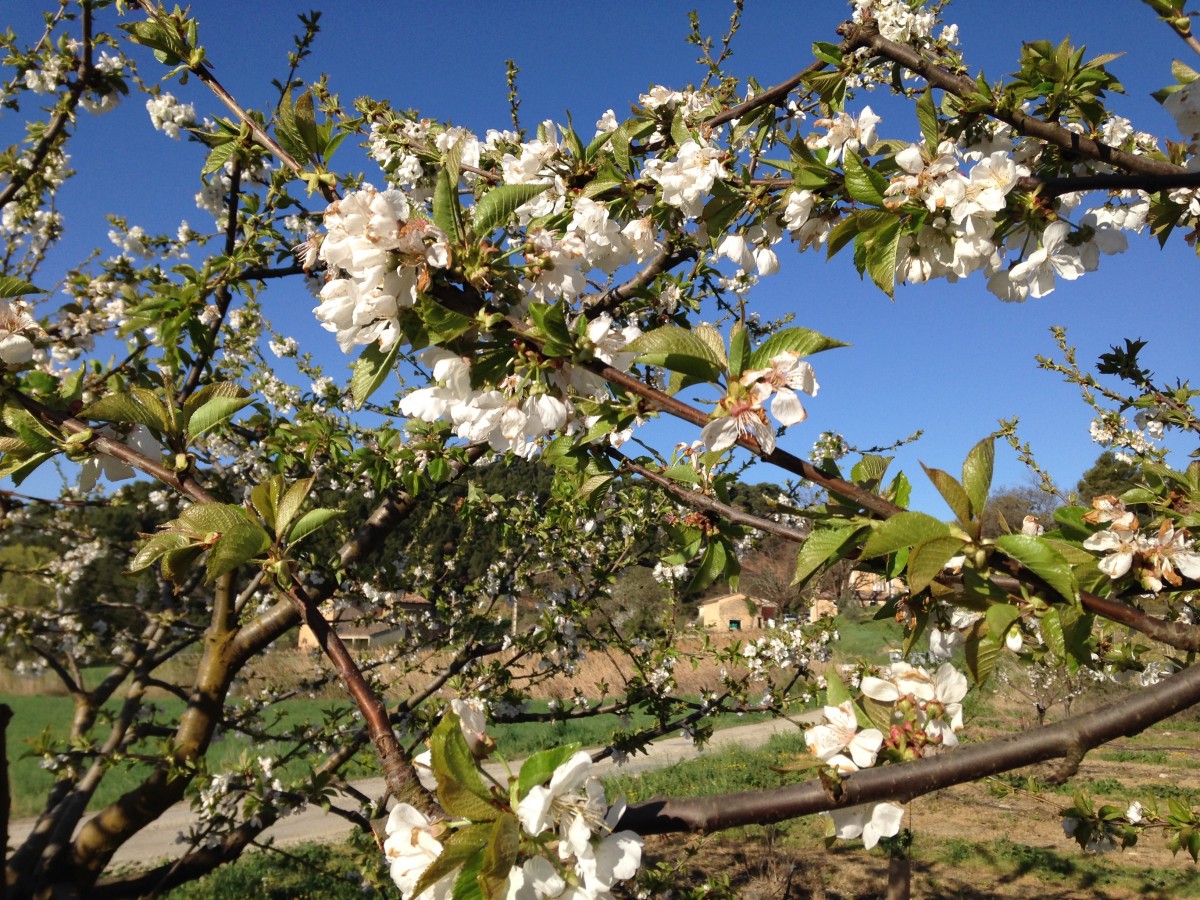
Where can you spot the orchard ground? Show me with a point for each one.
(1016, 849)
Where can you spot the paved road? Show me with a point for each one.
(314, 824)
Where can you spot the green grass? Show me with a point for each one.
(867, 638)
(734, 769)
(34, 716)
(306, 872)
(1069, 868)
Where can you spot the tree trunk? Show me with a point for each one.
(899, 876)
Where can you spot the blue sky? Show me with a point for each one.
(949, 359)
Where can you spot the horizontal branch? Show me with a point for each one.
(866, 35)
(594, 305)
(906, 781)
(872, 503)
(1069, 184)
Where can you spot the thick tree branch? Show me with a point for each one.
(872, 503)
(906, 781)
(866, 35)
(594, 305)
(1069, 184)
(772, 95)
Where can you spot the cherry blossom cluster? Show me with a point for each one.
(525, 406)
(169, 115)
(741, 414)
(382, 251)
(568, 846)
(1166, 557)
(920, 710)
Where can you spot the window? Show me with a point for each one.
(735, 624)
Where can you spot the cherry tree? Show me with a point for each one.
(540, 296)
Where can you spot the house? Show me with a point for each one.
(374, 626)
(870, 588)
(735, 612)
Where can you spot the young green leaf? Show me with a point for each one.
(370, 370)
(310, 522)
(902, 531)
(497, 206)
(1043, 560)
(216, 411)
(801, 341)
(977, 474)
(679, 350)
(235, 547)
(538, 767)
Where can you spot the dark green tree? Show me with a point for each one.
(1108, 475)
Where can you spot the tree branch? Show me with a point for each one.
(706, 503)
(906, 781)
(866, 35)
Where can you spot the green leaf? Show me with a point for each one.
(679, 350)
(442, 323)
(286, 130)
(927, 117)
(840, 235)
(497, 206)
(819, 548)
(32, 432)
(310, 522)
(538, 767)
(460, 846)
(801, 341)
(1043, 560)
(235, 547)
(927, 560)
(739, 350)
(500, 856)
(883, 244)
(156, 547)
(370, 370)
(1052, 633)
(223, 152)
(210, 392)
(952, 492)
(981, 652)
(176, 564)
(264, 497)
(460, 788)
(679, 130)
(208, 518)
(291, 502)
(836, 692)
(713, 339)
(445, 203)
(712, 565)
(215, 412)
(977, 474)
(902, 531)
(11, 286)
(1000, 617)
(863, 184)
(130, 409)
(306, 124)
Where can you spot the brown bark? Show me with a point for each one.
(1064, 740)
